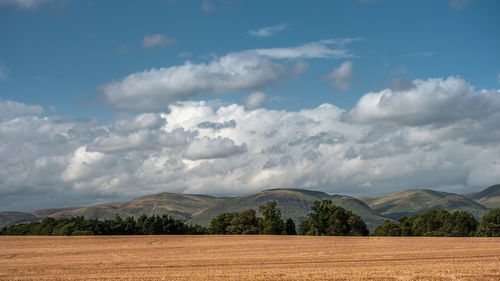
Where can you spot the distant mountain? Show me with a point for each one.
(294, 203)
(414, 201)
(489, 197)
(179, 206)
(10, 218)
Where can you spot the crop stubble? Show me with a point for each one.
(248, 258)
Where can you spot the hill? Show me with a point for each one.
(489, 197)
(10, 218)
(179, 206)
(294, 203)
(414, 201)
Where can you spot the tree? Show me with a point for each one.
(290, 227)
(490, 224)
(221, 223)
(328, 219)
(389, 228)
(271, 221)
(246, 222)
(406, 226)
(460, 224)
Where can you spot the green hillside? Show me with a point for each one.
(179, 206)
(489, 197)
(10, 218)
(294, 203)
(414, 201)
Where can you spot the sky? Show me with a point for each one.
(110, 100)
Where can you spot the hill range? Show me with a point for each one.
(294, 203)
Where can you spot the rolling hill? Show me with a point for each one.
(294, 203)
(489, 197)
(414, 201)
(10, 218)
(179, 206)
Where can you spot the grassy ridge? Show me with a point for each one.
(294, 203)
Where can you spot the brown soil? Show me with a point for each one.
(248, 258)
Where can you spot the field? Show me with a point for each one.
(248, 258)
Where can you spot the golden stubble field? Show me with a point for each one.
(248, 258)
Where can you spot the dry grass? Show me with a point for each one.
(248, 258)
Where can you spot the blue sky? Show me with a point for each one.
(58, 53)
(107, 100)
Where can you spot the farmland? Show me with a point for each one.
(248, 258)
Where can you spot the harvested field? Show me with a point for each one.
(248, 258)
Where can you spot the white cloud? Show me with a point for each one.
(207, 148)
(156, 40)
(400, 84)
(82, 164)
(440, 133)
(12, 109)
(155, 89)
(254, 100)
(140, 122)
(341, 76)
(319, 49)
(432, 101)
(267, 31)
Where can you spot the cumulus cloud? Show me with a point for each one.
(12, 109)
(156, 40)
(341, 76)
(254, 100)
(207, 148)
(432, 101)
(140, 122)
(400, 84)
(267, 31)
(155, 89)
(216, 126)
(439, 133)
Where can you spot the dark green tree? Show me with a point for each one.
(406, 226)
(246, 222)
(389, 228)
(328, 219)
(221, 223)
(459, 224)
(490, 224)
(271, 219)
(290, 227)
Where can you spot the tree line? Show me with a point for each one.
(144, 225)
(444, 224)
(325, 219)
